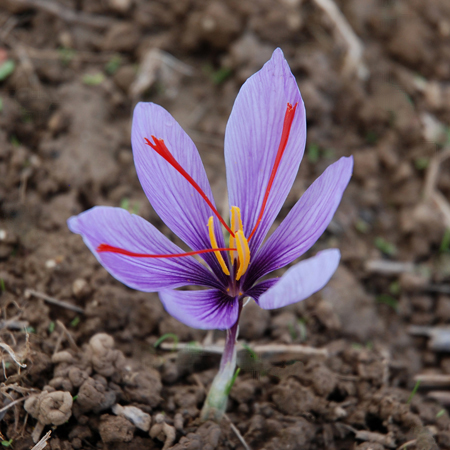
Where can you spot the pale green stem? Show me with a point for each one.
(217, 398)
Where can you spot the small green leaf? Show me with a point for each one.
(313, 153)
(6, 69)
(445, 243)
(421, 163)
(219, 76)
(362, 226)
(113, 65)
(388, 300)
(30, 330)
(93, 79)
(395, 288)
(74, 398)
(166, 336)
(7, 443)
(14, 141)
(7, 365)
(371, 137)
(292, 331)
(75, 322)
(440, 413)
(51, 327)
(232, 381)
(66, 55)
(2, 285)
(303, 330)
(384, 246)
(252, 353)
(413, 392)
(125, 203)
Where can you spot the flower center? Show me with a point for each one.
(239, 252)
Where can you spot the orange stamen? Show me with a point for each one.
(288, 119)
(109, 248)
(160, 147)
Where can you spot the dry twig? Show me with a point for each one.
(68, 15)
(430, 191)
(269, 351)
(386, 267)
(43, 442)
(11, 352)
(53, 301)
(237, 433)
(431, 380)
(353, 61)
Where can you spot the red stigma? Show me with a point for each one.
(160, 147)
(109, 248)
(288, 119)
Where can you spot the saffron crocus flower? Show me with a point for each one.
(264, 144)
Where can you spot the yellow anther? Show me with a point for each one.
(243, 252)
(235, 225)
(212, 238)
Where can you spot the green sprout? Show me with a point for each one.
(125, 203)
(445, 243)
(362, 226)
(302, 328)
(371, 137)
(113, 65)
(251, 352)
(421, 163)
(413, 392)
(132, 208)
(66, 55)
(75, 322)
(93, 79)
(384, 246)
(6, 69)
(395, 288)
(230, 384)
(313, 153)
(167, 336)
(217, 76)
(51, 327)
(14, 141)
(292, 331)
(440, 413)
(388, 300)
(7, 443)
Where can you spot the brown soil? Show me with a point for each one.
(65, 147)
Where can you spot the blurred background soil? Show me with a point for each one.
(375, 78)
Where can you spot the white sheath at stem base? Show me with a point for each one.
(217, 398)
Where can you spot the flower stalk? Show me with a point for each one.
(216, 401)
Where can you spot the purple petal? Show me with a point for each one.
(174, 199)
(252, 138)
(207, 310)
(258, 289)
(301, 280)
(118, 228)
(305, 223)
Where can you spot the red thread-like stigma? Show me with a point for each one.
(288, 119)
(160, 147)
(109, 248)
